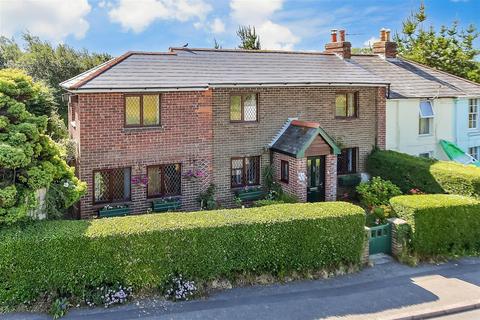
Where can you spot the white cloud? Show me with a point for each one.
(259, 13)
(254, 12)
(275, 36)
(369, 43)
(138, 15)
(50, 19)
(218, 26)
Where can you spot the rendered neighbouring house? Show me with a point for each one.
(152, 126)
(424, 105)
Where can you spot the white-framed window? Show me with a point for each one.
(428, 154)
(425, 123)
(474, 152)
(473, 113)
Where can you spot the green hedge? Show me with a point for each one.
(441, 224)
(430, 176)
(142, 251)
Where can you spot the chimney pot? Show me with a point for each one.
(334, 35)
(342, 35)
(387, 35)
(383, 36)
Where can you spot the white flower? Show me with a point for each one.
(66, 185)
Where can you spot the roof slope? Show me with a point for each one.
(201, 68)
(412, 80)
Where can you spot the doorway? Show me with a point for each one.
(316, 179)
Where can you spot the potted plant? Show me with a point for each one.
(114, 211)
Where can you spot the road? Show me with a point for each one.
(385, 291)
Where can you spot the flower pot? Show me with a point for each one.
(163, 206)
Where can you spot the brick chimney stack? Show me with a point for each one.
(385, 47)
(339, 46)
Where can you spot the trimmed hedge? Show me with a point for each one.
(430, 176)
(441, 224)
(68, 257)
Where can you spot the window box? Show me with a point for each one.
(164, 205)
(250, 194)
(349, 180)
(109, 211)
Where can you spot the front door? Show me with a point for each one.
(316, 179)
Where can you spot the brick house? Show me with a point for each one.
(150, 126)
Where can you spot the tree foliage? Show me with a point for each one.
(248, 38)
(450, 49)
(29, 158)
(51, 64)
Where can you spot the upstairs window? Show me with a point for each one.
(111, 185)
(142, 110)
(243, 108)
(426, 114)
(164, 180)
(245, 171)
(347, 161)
(473, 114)
(284, 171)
(346, 105)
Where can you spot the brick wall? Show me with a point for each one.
(185, 137)
(275, 106)
(331, 177)
(297, 184)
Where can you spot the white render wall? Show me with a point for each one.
(402, 126)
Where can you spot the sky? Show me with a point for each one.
(117, 26)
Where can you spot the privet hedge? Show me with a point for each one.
(441, 224)
(430, 176)
(68, 257)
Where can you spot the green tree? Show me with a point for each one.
(29, 158)
(451, 49)
(51, 64)
(248, 38)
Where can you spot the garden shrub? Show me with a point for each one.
(144, 251)
(441, 224)
(29, 158)
(427, 175)
(377, 192)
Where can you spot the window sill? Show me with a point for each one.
(241, 188)
(427, 135)
(140, 129)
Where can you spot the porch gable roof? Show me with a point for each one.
(299, 135)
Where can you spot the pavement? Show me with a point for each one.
(388, 290)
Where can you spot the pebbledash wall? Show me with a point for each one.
(275, 106)
(196, 132)
(185, 137)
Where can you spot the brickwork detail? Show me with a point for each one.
(331, 177)
(297, 184)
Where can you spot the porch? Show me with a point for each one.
(304, 158)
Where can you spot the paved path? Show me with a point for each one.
(386, 291)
